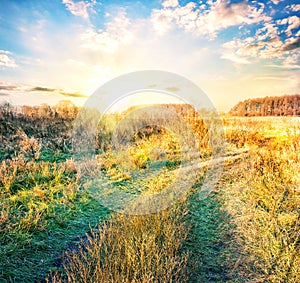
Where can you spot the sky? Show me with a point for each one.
(66, 49)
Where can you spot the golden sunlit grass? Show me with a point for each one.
(264, 201)
(131, 249)
(247, 230)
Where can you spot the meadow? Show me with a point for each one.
(53, 229)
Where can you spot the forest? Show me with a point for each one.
(286, 105)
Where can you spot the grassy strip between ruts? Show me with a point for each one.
(128, 248)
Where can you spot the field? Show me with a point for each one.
(53, 228)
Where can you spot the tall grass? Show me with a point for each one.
(42, 209)
(131, 248)
(30, 190)
(261, 201)
(44, 206)
(264, 202)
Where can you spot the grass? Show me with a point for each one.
(208, 240)
(264, 205)
(131, 249)
(246, 230)
(43, 210)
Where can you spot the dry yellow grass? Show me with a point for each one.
(42, 198)
(264, 201)
(131, 248)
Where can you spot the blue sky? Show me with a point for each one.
(233, 50)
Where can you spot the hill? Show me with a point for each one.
(286, 105)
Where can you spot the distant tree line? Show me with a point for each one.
(286, 105)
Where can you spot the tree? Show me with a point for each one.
(268, 106)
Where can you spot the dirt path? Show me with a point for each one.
(211, 258)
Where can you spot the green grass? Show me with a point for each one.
(247, 229)
(29, 256)
(207, 241)
(43, 210)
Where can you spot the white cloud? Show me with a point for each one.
(98, 41)
(252, 48)
(292, 60)
(224, 14)
(89, 56)
(205, 20)
(125, 45)
(235, 58)
(276, 1)
(266, 43)
(117, 31)
(162, 20)
(295, 7)
(5, 52)
(269, 30)
(282, 21)
(6, 60)
(170, 3)
(293, 22)
(80, 8)
(291, 43)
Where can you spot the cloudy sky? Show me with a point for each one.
(233, 50)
